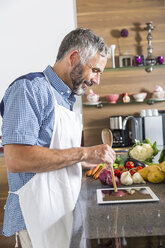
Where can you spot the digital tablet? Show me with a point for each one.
(125, 195)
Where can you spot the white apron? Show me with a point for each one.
(47, 201)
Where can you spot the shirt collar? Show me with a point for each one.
(59, 85)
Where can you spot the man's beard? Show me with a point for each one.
(77, 80)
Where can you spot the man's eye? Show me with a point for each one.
(96, 71)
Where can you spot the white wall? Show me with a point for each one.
(30, 34)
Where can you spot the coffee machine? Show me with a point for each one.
(126, 130)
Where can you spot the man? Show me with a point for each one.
(41, 137)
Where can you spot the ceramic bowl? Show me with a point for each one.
(158, 94)
(93, 98)
(112, 98)
(139, 97)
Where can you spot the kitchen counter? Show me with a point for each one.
(93, 221)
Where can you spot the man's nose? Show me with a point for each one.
(97, 78)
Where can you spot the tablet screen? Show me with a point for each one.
(130, 194)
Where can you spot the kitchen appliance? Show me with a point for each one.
(139, 136)
(126, 130)
(153, 129)
(119, 135)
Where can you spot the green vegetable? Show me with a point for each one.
(148, 163)
(143, 151)
(115, 165)
(154, 146)
(162, 156)
(120, 161)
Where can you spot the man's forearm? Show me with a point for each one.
(24, 158)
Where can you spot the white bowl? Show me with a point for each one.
(158, 94)
(139, 97)
(93, 98)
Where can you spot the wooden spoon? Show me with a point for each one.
(107, 138)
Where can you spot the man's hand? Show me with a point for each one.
(100, 154)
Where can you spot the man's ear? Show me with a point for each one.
(73, 57)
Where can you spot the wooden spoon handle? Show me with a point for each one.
(113, 179)
(107, 138)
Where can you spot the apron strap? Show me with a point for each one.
(10, 192)
(16, 240)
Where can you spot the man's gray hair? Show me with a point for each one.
(86, 42)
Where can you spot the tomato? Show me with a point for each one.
(117, 172)
(124, 170)
(121, 167)
(139, 168)
(129, 165)
(132, 171)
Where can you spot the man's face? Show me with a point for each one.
(84, 76)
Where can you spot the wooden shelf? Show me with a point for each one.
(131, 68)
(102, 104)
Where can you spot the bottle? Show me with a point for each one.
(126, 97)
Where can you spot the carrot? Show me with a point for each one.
(89, 173)
(95, 169)
(97, 174)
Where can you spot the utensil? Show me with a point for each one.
(107, 138)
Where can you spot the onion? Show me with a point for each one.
(105, 178)
(120, 193)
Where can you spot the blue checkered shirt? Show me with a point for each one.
(28, 117)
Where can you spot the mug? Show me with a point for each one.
(143, 113)
(148, 112)
(155, 112)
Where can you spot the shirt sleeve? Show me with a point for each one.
(23, 113)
